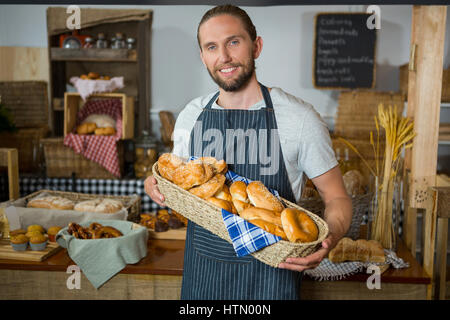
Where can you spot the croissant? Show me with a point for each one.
(359, 250)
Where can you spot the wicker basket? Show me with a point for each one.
(209, 217)
(28, 102)
(27, 142)
(131, 203)
(361, 205)
(62, 161)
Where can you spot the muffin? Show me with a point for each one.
(51, 232)
(35, 227)
(32, 233)
(19, 242)
(38, 242)
(16, 232)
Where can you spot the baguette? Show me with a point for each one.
(359, 250)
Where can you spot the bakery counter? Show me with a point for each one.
(159, 274)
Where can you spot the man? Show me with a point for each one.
(272, 137)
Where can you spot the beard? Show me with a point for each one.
(242, 79)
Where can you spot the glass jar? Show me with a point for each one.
(131, 43)
(88, 42)
(146, 151)
(101, 41)
(119, 43)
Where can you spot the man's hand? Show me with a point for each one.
(314, 259)
(151, 188)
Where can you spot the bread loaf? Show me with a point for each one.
(51, 202)
(209, 188)
(101, 120)
(99, 205)
(268, 220)
(86, 128)
(261, 197)
(359, 250)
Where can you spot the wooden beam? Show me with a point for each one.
(425, 97)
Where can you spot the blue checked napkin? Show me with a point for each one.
(246, 237)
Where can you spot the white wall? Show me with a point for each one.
(177, 74)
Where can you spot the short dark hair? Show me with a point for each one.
(232, 11)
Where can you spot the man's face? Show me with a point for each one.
(227, 52)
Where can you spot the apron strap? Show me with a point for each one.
(265, 93)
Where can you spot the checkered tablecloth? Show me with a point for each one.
(118, 187)
(100, 149)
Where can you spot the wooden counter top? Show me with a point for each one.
(165, 257)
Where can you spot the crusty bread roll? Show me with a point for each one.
(167, 164)
(221, 203)
(238, 191)
(86, 128)
(219, 166)
(353, 182)
(261, 197)
(359, 250)
(101, 120)
(224, 193)
(298, 226)
(51, 202)
(268, 220)
(209, 188)
(241, 205)
(192, 174)
(99, 205)
(108, 131)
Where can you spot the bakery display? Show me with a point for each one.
(357, 250)
(51, 202)
(94, 231)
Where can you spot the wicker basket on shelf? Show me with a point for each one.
(61, 161)
(209, 217)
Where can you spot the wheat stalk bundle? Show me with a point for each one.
(398, 134)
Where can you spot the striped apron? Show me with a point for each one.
(211, 268)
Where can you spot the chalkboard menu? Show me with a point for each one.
(344, 51)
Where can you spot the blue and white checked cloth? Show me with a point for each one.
(246, 237)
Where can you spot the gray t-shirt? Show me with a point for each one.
(304, 136)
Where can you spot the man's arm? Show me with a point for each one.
(338, 215)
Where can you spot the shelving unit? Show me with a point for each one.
(132, 64)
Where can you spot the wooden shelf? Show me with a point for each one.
(93, 54)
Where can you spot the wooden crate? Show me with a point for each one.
(445, 95)
(27, 101)
(62, 161)
(27, 142)
(73, 103)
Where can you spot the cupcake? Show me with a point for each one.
(35, 227)
(38, 242)
(32, 233)
(52, 231)
(19, 242)
(16, 232)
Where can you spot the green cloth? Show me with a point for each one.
(101, 259)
